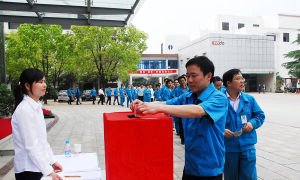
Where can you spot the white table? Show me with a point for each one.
(85, 165)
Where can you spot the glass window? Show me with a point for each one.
(241, 25)
(286, 37)
(255, 25)
(225, 26)
(173, 64)
(298, 37)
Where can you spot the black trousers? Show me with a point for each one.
(94, 99)
(141, 98)
(116, 98)
(191, 177)
(70, 100)
(108, 99)
(28, 175)
(101, 99)
(181, 130)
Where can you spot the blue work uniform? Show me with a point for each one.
(166, 94)
(108, 92)
(94, 92)
(122, 90)
(129, 96)
(240, 160)
(161, 91)
(204, 136)
(69, 92)
(116, 92)
(147, 95)
(157, 95)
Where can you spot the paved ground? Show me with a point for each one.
(278, 155)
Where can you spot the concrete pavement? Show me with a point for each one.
(278, 155)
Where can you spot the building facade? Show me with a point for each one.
(157, 65)
(256, 45)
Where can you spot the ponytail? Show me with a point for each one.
(27, 76)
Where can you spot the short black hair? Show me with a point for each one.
(228, 75)
(181, 77)
(205, 65)
(168, 81)
(216, 78)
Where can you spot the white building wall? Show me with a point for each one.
(174, 41)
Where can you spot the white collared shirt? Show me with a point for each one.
(100, 92)
(234, 102)
(32, 150)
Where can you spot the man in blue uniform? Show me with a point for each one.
(122, 94)
(108, 94)
(69, 91)
(116, 96)
(244, 116)
(147, 94)
(203, 110)
(77, 94)
(128, 93)
(166, 92)
(94, 94)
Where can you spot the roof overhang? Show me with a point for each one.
(113, 13)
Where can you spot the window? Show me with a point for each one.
(255, 25)
(241, 25)
(298, 37)
(286, 37)
(173, 64)
(225, 26)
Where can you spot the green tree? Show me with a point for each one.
(108, 52)
(39, 46)
(293, 66)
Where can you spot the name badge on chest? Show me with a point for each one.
(244, 118)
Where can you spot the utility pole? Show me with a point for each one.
(2, 55)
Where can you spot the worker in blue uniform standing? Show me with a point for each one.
(244, 117)
(128, 93)
(166, 92)
(147, 94)
(181, 89)
(203, 110)
(94, 94)
(116, 96)
(156, 93)
(108, 95)
(69, 91)
(77, 94)
(122, 94)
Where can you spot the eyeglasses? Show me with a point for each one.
(240, 79)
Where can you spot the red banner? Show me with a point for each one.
(160, 71)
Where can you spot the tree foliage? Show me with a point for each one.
(293, 66)
(108, 52)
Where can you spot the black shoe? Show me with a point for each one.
(182, 141)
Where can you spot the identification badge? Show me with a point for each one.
(244, 118)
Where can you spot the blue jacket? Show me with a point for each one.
(94, 92)
(116, 92)
(108, 92)
(180, 91)
(204, 135)
(69, 91)
(122, 92)
(147, 95)
(166, 94)
(254, 114)
(77, 92)
(128, 92)
(157, 95)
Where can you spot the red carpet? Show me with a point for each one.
(5, 127)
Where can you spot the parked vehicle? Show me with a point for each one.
(86, 95)
(63, 96)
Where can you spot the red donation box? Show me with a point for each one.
(138, 148)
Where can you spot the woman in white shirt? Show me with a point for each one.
(33, 155)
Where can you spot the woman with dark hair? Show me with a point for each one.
(33, 155)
